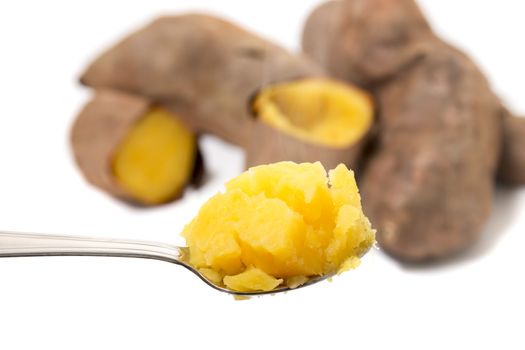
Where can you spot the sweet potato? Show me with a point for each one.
(208, 71)
(428, 185)
(134, 150)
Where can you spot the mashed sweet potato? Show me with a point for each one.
(280, 223)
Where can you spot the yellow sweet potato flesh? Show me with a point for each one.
(276, 222)
(156, 158)
(252, 279)
(317, 110)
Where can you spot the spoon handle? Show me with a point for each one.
(13, 244)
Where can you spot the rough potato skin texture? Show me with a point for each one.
(98, 130)
(203, 68)
(428, 184)
(512, 163)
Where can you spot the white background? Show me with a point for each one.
(96, 303)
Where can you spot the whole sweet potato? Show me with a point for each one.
(428, 184)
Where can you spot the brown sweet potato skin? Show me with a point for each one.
(512, 162)
(428, 185)
(270, 145)
(97, 131)
(203, 68)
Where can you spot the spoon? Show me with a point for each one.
(13, 244)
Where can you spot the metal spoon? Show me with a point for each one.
(13, 244)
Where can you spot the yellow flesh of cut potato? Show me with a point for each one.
(317, 110)
(156, 158)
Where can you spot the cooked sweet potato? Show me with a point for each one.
(428, 185)
(280, 223)
(208, 71)
(133, 149)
